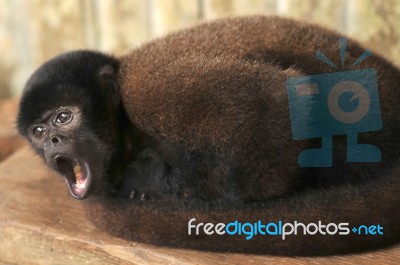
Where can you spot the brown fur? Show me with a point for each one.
(220, 86)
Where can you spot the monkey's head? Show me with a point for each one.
(69, 113)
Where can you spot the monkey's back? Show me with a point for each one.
(222, 85)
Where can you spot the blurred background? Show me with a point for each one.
(32, 31)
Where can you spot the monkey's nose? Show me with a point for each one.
(55, 139)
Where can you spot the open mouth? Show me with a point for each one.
(76, 174)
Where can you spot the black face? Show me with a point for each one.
(56, 135)
(70, 113)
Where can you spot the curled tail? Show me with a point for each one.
(371, 208)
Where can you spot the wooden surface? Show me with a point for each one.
(41, 224)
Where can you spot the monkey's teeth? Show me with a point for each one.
(80, 181)
(76, 174)
(77, 168)
(80, 185)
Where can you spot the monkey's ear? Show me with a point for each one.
(109, 83)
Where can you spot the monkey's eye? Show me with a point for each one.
(38, 131)
(64, 117)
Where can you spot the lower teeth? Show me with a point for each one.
(80, 185)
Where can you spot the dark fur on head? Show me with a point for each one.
(72, 78)
(86, 79)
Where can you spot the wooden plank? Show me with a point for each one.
(41, 224)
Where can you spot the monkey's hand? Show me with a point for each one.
(147, 178)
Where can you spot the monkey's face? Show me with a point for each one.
(69, 144)
(69, 113)
(58, 138)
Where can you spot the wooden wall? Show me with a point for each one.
(32, 31)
